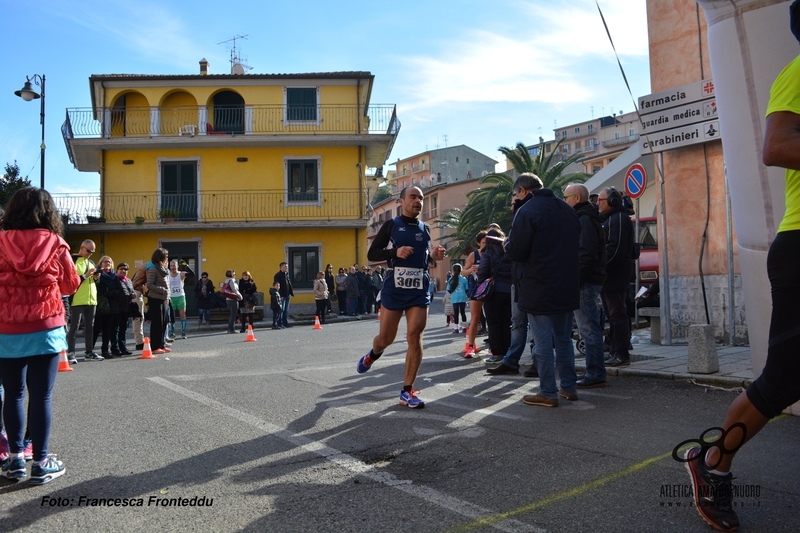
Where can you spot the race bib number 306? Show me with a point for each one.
(408, 278)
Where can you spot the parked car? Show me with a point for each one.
(648, 254)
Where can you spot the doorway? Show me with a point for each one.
(189, 252)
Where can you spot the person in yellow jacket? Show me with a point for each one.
(84, 302)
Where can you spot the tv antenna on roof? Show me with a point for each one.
(237, 67)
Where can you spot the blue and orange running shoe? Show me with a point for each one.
(364, 363)
(410, 399)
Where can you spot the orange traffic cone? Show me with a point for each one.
(316, 323)
(63, 364)
(250, 335)
(147, 353)
(379, 313)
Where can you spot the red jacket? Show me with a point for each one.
(36, 268)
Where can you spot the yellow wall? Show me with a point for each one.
(252, 95)
(259, 251)
(219, 169)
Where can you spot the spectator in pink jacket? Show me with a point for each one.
(36, 268)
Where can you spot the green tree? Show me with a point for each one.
(11, 183)
(381, 194)
(491, 204)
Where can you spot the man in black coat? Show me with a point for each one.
(544, 240)
(285, 291)
(619, 272)
(592, 277)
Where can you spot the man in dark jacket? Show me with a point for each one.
(509, 362)
(592, 277)
(619, 272)
(285, 291)
(353, 292)
(544, 240)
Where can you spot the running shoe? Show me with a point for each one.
(364, 363)
(712, 492)
(14, 469)
(47, 472)
(183, 336)
(455, 331)
(3, 445)
(159, 351)
(94, 357)
(410, 399)
(166, 349)
(27, 449)
(71, 358)
(493, 360)
(470, 352)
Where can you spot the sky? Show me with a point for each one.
(483, 74)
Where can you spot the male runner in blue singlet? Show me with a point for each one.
(404, 243)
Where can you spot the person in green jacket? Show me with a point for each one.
(84, 302)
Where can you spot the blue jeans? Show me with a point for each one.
(519, 334)
(352, 304)
(547, 331)
(285, 311)
(41, 373)
(205, 315)
(588, 319)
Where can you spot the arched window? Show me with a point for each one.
(228, 112)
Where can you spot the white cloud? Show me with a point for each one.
(553, 54)
(148, 29)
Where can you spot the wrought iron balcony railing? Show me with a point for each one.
(622, 140)
(177, 121)
(211, 206)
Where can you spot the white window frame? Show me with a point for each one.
(286, 121)
(289, 158)
(198, 160)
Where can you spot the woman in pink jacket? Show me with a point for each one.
(35, 270)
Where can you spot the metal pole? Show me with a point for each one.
(666, 314)
(43, 146)
(729, 235)
(636, 285)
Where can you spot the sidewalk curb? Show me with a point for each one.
(705, 379)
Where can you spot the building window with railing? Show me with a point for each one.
(178, 189)
(303, 266)
(577, 130)
(631, 132)
(564, 134)
(590, 128)
(301, 104)
(302, 181)
(435, 205)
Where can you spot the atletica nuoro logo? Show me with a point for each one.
(717, 441)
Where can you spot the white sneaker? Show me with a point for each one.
(71, 358)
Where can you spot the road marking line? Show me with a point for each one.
(355, 466)
(570, 493)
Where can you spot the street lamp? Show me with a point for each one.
(27, 93)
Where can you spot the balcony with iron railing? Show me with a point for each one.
(622, 140)
(190, 121)
(246, 206)
(88, 131)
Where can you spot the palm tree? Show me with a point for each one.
(486, 205)
(552, 175)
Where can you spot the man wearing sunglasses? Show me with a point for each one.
(83, 303)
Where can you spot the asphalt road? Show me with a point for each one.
(283, 435)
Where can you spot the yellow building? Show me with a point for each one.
(233, 171)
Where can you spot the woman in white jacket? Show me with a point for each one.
(233, 303)
(321, 296)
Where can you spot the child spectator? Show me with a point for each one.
(275, 304)
(457, 286)
(447, 300)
